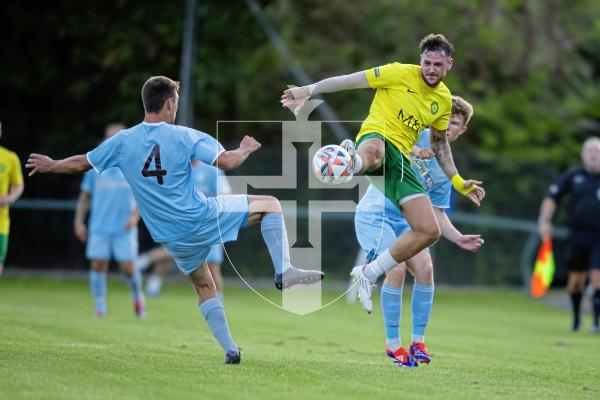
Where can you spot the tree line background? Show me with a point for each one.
(529, 67)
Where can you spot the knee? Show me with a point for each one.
(372, 150)
(274, 204)
(595, 278)
(424, 274)
(575, 284)
(204, 288)
(99, 266)
(269, 204)
(127, 269)
(395, 276)
(430, 234)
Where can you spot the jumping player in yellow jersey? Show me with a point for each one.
(11, 188)
(408, 99)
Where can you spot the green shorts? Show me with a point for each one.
(3, 247)
(399, 182)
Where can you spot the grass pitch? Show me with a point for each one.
(485, 344)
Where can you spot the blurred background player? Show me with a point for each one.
(111, 232)
(408, 98)
(11, 188)
(211, 181)
(582, 185)
(162, 263)
(155, 156)
(378, 222)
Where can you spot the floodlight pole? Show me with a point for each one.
(296, 69)
(185, 115)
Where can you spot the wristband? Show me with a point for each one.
(459, 184)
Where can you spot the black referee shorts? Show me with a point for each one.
(583, 256)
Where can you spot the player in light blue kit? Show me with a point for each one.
(211, 181)
(378, 222)
(112, 230)
(155, 157)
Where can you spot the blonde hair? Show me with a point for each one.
(462, 107)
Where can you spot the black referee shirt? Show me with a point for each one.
(584, 206)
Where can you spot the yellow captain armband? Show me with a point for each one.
(459, 184)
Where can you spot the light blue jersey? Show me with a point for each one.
(378, 222)
(112, 201)
(431, 175)
(155, 160)
(210, 180)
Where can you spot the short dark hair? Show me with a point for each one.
(436, 42)
(156, 91)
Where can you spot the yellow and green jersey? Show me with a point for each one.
(404, 105)
(10, 175)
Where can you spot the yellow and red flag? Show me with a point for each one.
(543, 271)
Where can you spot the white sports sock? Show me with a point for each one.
(142, 262)
(358, 163)
(418, 339)
(393, 344)
(383, 263)
(153, 285)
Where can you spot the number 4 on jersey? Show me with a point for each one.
(158, 172)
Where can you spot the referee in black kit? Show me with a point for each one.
(582, 185)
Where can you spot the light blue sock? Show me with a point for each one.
(214, 312)
(275, 236)
(98, 288)
(135, 284)
(391, 309)
(221, 296)
(422, 300)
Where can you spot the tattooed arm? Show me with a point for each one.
(443, 153)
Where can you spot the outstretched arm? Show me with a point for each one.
(294, 98)
(232, 159)
(443, 153)
(467, 242)
(44, 164)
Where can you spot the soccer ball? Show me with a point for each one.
(332, 164)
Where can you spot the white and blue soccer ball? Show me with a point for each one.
(332, 164)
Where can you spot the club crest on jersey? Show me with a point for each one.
(377, 72)
(435, 107)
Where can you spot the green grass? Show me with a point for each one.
(485, 344)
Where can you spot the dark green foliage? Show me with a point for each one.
(530, 69)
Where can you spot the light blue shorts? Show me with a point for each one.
(375, 233)
(215, 256)
(123, 247)
(225, 216)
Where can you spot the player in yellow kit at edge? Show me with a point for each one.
(11, 188)
(408, 99)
